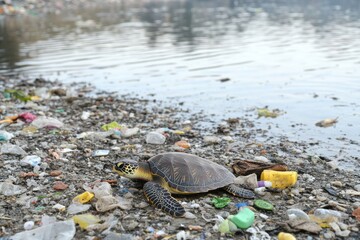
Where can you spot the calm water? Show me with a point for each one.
(302, 57)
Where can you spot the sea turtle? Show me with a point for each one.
(179, 173)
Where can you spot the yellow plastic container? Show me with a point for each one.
(280, 179)
(286, 236)
(84, 197)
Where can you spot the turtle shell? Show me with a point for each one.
(189, 173)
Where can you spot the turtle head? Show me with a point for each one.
(126, 168)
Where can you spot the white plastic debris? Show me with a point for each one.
(59, 207)
(49, 122)
(5, 136)
(12, 149)
(29, 225)
(75, 208)
(99, 153)
(32, 160)
(155, 138)
(9, 189)
(85, 115)
(59, 230)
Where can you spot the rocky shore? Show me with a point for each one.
(58, 142)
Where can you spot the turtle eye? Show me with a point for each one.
(120, 164)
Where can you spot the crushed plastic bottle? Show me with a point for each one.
(322, 213)
(9, 189)
(5, 136)
(326, 216)
(64, 230)
(85, 220)
(280, 179)
(106, 203)
(155, 138)
(101, 189)
(75, 208)
(8, 148)
(31, 160)
(297, 214)
(47, 122)
(129, 132)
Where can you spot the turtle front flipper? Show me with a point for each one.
(162, 199)
(240, 192)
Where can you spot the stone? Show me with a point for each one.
(329, 235)
(211, 139)
(58, 185)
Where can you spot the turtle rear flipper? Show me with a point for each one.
(162, 199)
(239, 192)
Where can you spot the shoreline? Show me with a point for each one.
(61, 149)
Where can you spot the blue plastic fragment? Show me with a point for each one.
(241, 204)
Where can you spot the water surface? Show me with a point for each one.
(302, 57)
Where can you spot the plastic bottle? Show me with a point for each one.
(280, 179)
(322, 213)
(286, 236)
(297, 214)
(155, 138)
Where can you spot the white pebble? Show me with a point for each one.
(181, 235)
(29, 225)
(261, 159)
(195, 205)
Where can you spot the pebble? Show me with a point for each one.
(58, 185)
(195, 205)
(55, 173)
(211, 139)
(189, 215)
(357, 187)
(337, 183)
(29, 225)
(261, 159)
(329, 235)
(228, 138)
